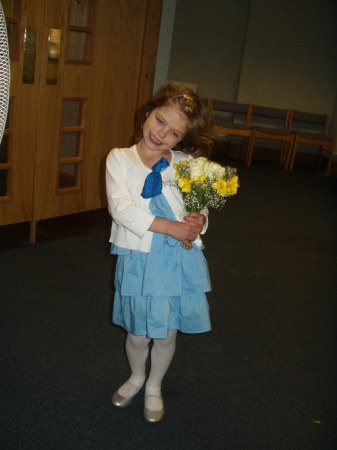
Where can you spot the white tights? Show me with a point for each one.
(137, 351)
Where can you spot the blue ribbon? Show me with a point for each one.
(153, 182)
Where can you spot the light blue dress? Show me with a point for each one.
(164, 289)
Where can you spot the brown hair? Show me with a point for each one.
(197, 141)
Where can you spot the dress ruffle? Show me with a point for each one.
(164, 289)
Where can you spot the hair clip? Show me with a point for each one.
(188, 97)
(185, 96)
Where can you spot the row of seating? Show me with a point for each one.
(288, 127)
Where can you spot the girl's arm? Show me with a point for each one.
(122, 207)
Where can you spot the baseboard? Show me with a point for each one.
(17, 235)
(309, 160)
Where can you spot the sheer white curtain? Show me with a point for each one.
(4, 72)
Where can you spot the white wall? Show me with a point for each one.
(281, 53)
(207, 45)
(290, 56)
(164, 44)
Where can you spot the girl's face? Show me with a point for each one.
(164, 128)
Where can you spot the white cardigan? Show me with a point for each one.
(125, 176)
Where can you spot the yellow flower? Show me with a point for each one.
(220, 186)
(175, 166)
(199, 179)
(233, 185)
(184, 184)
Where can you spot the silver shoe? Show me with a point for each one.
(120, 401)
(151, 415)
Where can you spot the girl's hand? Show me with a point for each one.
(196, 220)
(182, 231)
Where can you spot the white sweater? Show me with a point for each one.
(125, 176)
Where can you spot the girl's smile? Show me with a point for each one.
(154, 140)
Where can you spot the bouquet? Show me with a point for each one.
(204, 184)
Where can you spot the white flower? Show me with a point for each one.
(202, 166)
(215, 171)
(197, 167)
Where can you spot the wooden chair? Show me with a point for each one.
(230, 119)
(311, 129)
(270, 124)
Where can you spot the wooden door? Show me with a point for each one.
(94, 65)
(19, 142)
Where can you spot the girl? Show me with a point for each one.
(160, 285)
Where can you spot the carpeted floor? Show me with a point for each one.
(264, 378)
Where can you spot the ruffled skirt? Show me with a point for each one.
(164, 289)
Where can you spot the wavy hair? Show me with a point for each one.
(197, 141)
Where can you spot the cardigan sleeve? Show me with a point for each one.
(204, 212)
(122, 207)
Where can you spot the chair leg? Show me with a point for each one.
(244, 148)
(288, 158)
(249, 155)
(328, 169)
(319, 159)
(291, 156)
(284, 153)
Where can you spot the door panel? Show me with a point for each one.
(71, 80)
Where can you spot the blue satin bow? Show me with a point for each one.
(153, 182)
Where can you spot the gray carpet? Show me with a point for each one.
(263, 378)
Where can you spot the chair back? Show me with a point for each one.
(230, 112)
(264, 116)
(309, 122)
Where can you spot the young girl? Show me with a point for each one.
(160, 285)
